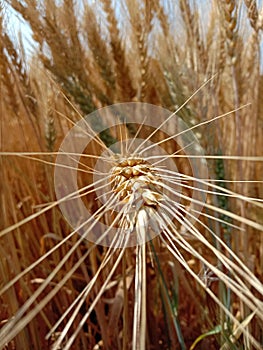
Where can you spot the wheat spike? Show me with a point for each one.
(252, 13)
(123, 73)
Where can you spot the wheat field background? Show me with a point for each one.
(191, 287)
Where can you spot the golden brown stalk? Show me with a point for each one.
(252, 13)
(162, 16)
(230, 23)
(102, 59)
(141, 22)
(122, 70)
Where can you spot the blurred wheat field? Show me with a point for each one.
(191, 287)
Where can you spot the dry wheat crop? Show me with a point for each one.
(131, 175)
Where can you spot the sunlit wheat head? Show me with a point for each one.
(135, 176)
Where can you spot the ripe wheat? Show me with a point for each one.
(122, 227)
